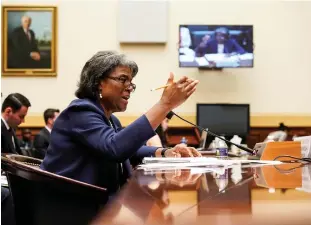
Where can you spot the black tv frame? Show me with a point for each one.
(224, 104)
(216, 68)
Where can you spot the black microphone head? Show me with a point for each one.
(170, 115)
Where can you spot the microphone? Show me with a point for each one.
(253, 152)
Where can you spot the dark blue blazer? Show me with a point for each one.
(84, 146)
(211, 47)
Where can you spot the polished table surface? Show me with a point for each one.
(239, 195)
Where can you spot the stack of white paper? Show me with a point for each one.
(305, 146)
(147, 160)
(182, 163)
(201, 61)
(222, 60)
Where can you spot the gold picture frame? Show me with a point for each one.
(29, 40)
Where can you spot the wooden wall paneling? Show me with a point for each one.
(175, 134)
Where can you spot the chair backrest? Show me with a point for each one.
(41, 197)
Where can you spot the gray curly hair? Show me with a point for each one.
(98, 68)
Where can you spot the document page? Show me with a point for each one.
(305, 146)
(152, 162)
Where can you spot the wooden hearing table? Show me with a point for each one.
(252, 195)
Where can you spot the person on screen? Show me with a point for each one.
(24, 49)
(220, 44)
(88, 143)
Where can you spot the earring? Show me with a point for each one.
(100, 94)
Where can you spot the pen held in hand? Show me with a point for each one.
(159, 88)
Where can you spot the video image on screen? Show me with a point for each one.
(216, 46)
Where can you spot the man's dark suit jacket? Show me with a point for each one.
(41, 143)
(6, 141)
(83, 145)
(211, 47)
(20, 48)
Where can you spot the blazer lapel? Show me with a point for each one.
(98, 105)
(17, 148)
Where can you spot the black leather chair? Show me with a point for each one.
(41, 197)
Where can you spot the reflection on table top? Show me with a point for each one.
(259, 195)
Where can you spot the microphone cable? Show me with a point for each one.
(251, 151)
(296, 159)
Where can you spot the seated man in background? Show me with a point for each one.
(26, 142)
(14, 110)
(42, 139)
(220, 44)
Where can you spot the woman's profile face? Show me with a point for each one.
(116, 89)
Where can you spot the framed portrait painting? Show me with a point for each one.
(29, 38)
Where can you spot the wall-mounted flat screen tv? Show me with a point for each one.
(216, 46)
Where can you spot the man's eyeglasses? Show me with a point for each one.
(125, 81)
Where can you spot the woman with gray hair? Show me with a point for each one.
(87, 143)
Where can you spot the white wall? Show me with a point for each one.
(278, 83)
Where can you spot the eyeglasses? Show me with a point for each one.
(125, 81)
